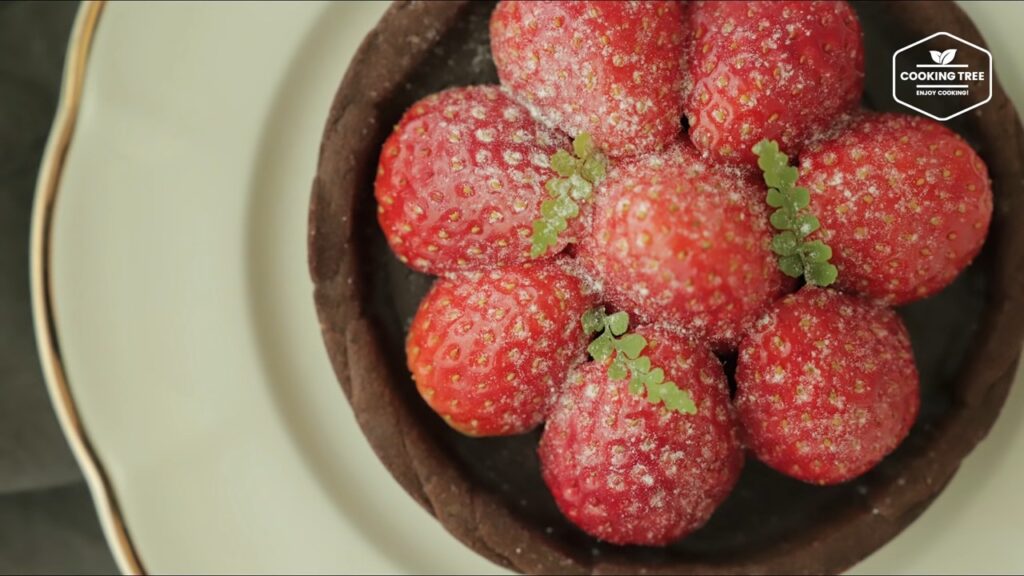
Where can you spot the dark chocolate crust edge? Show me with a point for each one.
(341, 204)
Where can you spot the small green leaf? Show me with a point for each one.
(627, 362)
(617, 370)
(684, 403)
(558, 187)
(791, 266)
(618, 323)
(670, 394)
(581, 189)
(565, 208)
(642, 364)
(575, 182)
(773, 164)
(656, 376)
(632, 345)
(784, 243)
(654, 392)
(547, 208)
(593, 320)
(593, 168)
(786, 176)
(782, 219)
(601, 348)
(816, 252)
(761, 149)
(775, 198)
(768, 159)
(801, 197)
(797, 256)
(583, 145)
(821, 273)
(805, 224)
(543, 238)
(563, 163)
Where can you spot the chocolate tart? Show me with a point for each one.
(488, 492)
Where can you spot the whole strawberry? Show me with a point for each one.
(770, 70)
(612, 69)
(461, 180)
(628, 471)
(489, 350)
(826, 386)
(903, 201)
(677, 241)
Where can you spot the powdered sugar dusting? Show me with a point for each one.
(770, 70)
(826, 385)
(454, 188)
(630, 472)
(903, 201)
(612, 69)
(490, 350)
(676, 240)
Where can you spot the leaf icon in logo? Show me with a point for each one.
(944, 57)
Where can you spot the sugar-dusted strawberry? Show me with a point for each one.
(461, 180)
(826, 385)
(612, 69)
(489, 350)
(628, 471)
(677, 241)
(903, 201)
(770, 70)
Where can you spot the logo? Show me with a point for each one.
(942, 76)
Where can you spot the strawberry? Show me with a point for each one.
(461, 180)
(488, 350)
(826, 385)
(628, 471)
(677, 241)
(770, 70)
(612, 69)
(903, 201)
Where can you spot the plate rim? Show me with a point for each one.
(51, 169)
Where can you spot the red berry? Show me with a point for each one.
(826, 386)
(489, 350)
(677, 241)
(630, 472)
(461, 181)
(903, 201)
(770, 70)
(612, 69)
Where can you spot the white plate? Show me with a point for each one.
(190, 376)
